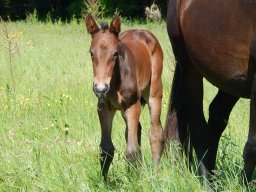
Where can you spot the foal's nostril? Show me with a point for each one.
(107, 87)
(100, 90)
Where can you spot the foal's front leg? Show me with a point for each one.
(132, 115)
(138, 132)
(106, 146)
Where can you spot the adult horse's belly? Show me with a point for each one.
(232, 77)
(218, 38)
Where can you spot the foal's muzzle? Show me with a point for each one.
(101, 91)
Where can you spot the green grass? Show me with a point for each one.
(50, 131)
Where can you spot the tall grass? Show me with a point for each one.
(50, 133)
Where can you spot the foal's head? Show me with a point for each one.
(103, 52)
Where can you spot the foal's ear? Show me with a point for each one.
(115, 25)
(91, 25)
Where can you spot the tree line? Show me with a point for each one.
(67, 9)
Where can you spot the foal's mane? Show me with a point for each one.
(104, 26)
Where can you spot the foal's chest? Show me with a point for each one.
(115, 100)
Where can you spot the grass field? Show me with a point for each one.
(49, 126)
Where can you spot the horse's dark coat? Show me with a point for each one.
(212, 39)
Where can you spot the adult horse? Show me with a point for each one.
(216, 40)
(127, 74)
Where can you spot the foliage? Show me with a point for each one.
(67, 9)
(9, 43)
(94, 7)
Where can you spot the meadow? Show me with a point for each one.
(49, 129)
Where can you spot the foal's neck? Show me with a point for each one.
(116, 78)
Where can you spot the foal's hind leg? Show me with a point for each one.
(250, 146)
(219, 111)
(156, 130)
(107, 148)
(131, 115)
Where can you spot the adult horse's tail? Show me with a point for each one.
(177, 114)
(176, 120)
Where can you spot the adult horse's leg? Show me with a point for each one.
(250, 146)
(219, 111)
(196, 121)
(106, 116)
(131, 115)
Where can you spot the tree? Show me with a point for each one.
(66, 9)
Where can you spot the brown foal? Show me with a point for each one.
(127, 71)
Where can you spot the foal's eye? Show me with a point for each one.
(115, 56)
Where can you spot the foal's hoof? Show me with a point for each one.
(134, 158)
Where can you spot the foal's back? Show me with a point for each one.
(146, 51)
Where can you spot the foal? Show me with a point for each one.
(127, 71)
